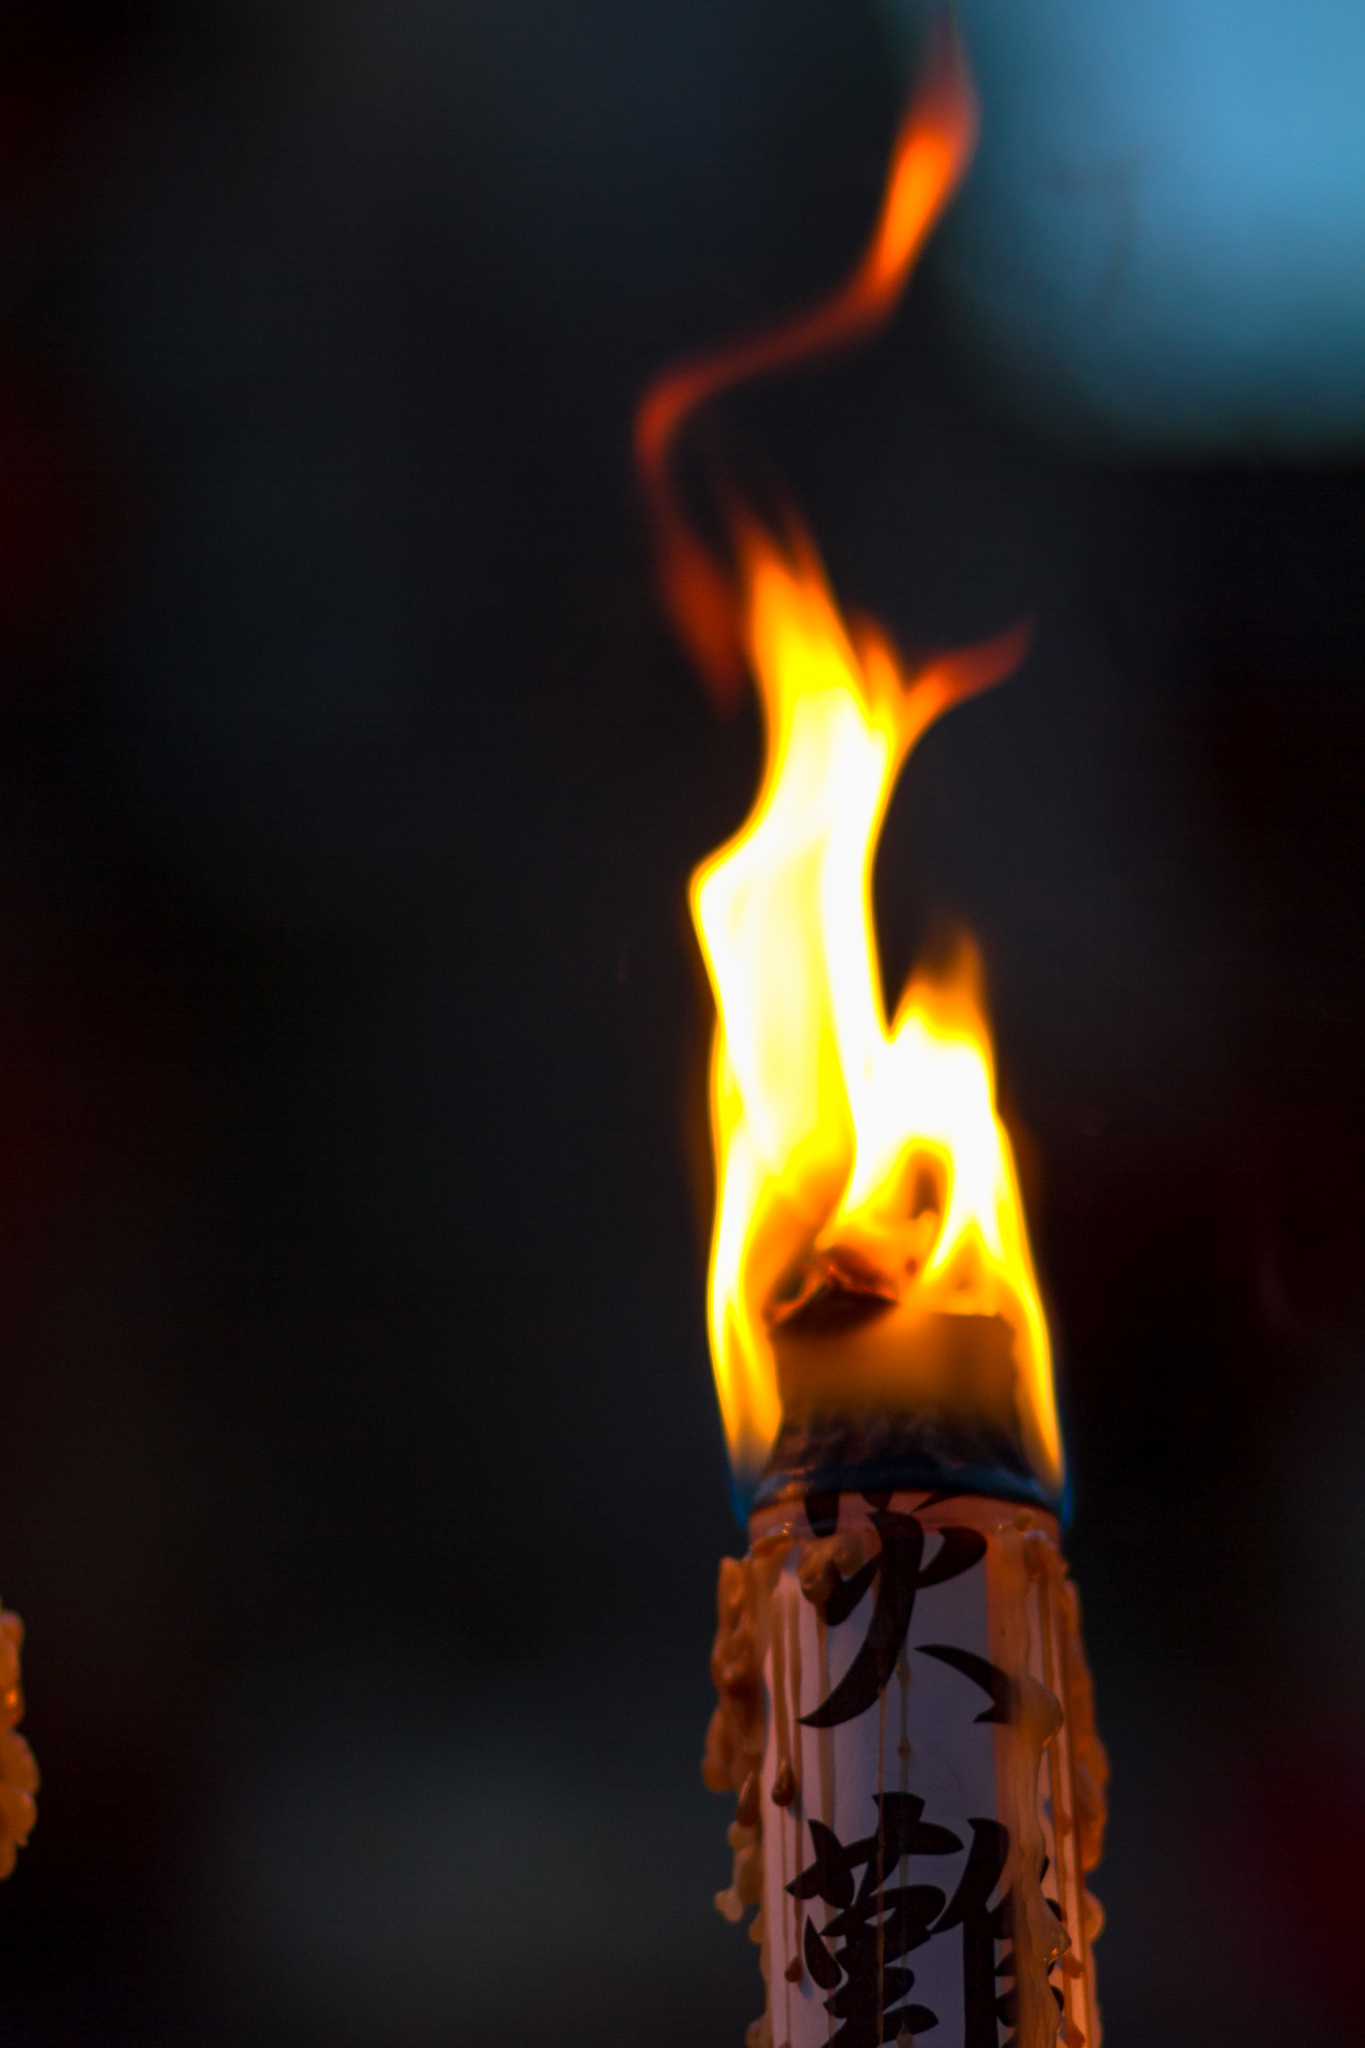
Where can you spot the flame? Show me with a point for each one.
(848, 1150)
(869, 1250)
(928, 160)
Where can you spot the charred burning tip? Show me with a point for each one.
(832, 1292)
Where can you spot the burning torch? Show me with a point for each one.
(904, 1707)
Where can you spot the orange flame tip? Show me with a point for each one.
(929, 158)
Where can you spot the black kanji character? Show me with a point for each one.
(856, 1955)
(983, 1925)
(897, 1567)
(982, 1672)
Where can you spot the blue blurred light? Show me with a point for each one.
(1163, 237)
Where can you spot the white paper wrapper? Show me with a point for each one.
(930, 1793)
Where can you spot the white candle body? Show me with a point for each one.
(928, 1799)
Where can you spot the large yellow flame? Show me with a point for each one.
(827, 1120)
(869, 1252)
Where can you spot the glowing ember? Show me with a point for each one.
(870, 1251)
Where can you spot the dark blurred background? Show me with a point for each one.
(360, 1481)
